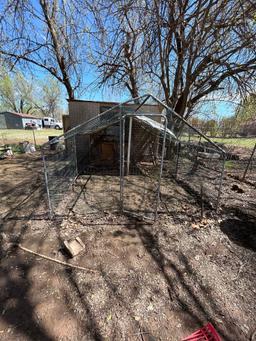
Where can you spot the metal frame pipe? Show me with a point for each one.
(129, 145)
(122, 141)
(249, 162)
(51, 213)
(221, 181)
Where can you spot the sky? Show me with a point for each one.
(218, 108)
(226, 109)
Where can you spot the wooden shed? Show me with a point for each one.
(14, 120)
(100, 147)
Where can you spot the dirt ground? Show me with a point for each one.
(158, 281)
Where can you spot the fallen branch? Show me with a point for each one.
(56, 260)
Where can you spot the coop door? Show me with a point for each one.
(108, 152)
(142, 158)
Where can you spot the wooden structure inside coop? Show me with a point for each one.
(99, 149)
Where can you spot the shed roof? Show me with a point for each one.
(113, 115)
(155, 125)
(108, 103)
(19, 114)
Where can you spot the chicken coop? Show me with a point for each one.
(116, 161)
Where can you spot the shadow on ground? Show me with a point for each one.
(17, 312)
(187, 296)
(241, 232)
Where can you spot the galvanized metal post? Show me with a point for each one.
(74, 141)
(249, 162)
(123, 157)
(121, 141)
(221, 181)
(161, 167)
(177, 161)
(129, 145)
(47, 187)
(34, 137)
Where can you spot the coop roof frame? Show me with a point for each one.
(144, 98)
(89, 127)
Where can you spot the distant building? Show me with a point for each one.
(248, 128)
(14, 120)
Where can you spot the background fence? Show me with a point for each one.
(16, 137)
(241, 158)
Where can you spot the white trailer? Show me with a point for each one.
(49, 122)
(34, 122)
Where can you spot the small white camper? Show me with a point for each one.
(49, 122)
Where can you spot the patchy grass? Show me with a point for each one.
(237, 142)
(230, 164)
(15, 136)
(245, 142)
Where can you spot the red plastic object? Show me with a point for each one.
(207, 333)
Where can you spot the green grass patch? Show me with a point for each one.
(15, 136)
(230, 164)
(237, 142)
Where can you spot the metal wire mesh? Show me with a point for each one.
(106, 163)
(194, 161)
(250, 170)
(142, 161)
(60, 166)
(241, 160)
(197, 166)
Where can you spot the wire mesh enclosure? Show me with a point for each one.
(197, 164)
(241, 164)
(116, 160)
(60, 171)
(142, 155)
(250, 169)
(240, 161)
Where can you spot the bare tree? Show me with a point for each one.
(190, 48)
(49, 103)
(201, 47)
(119, 44)
(49, 35)
(30, 95)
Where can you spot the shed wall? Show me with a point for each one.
(66, 123)
(82, 111)
(13, 121)
(2, 122)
